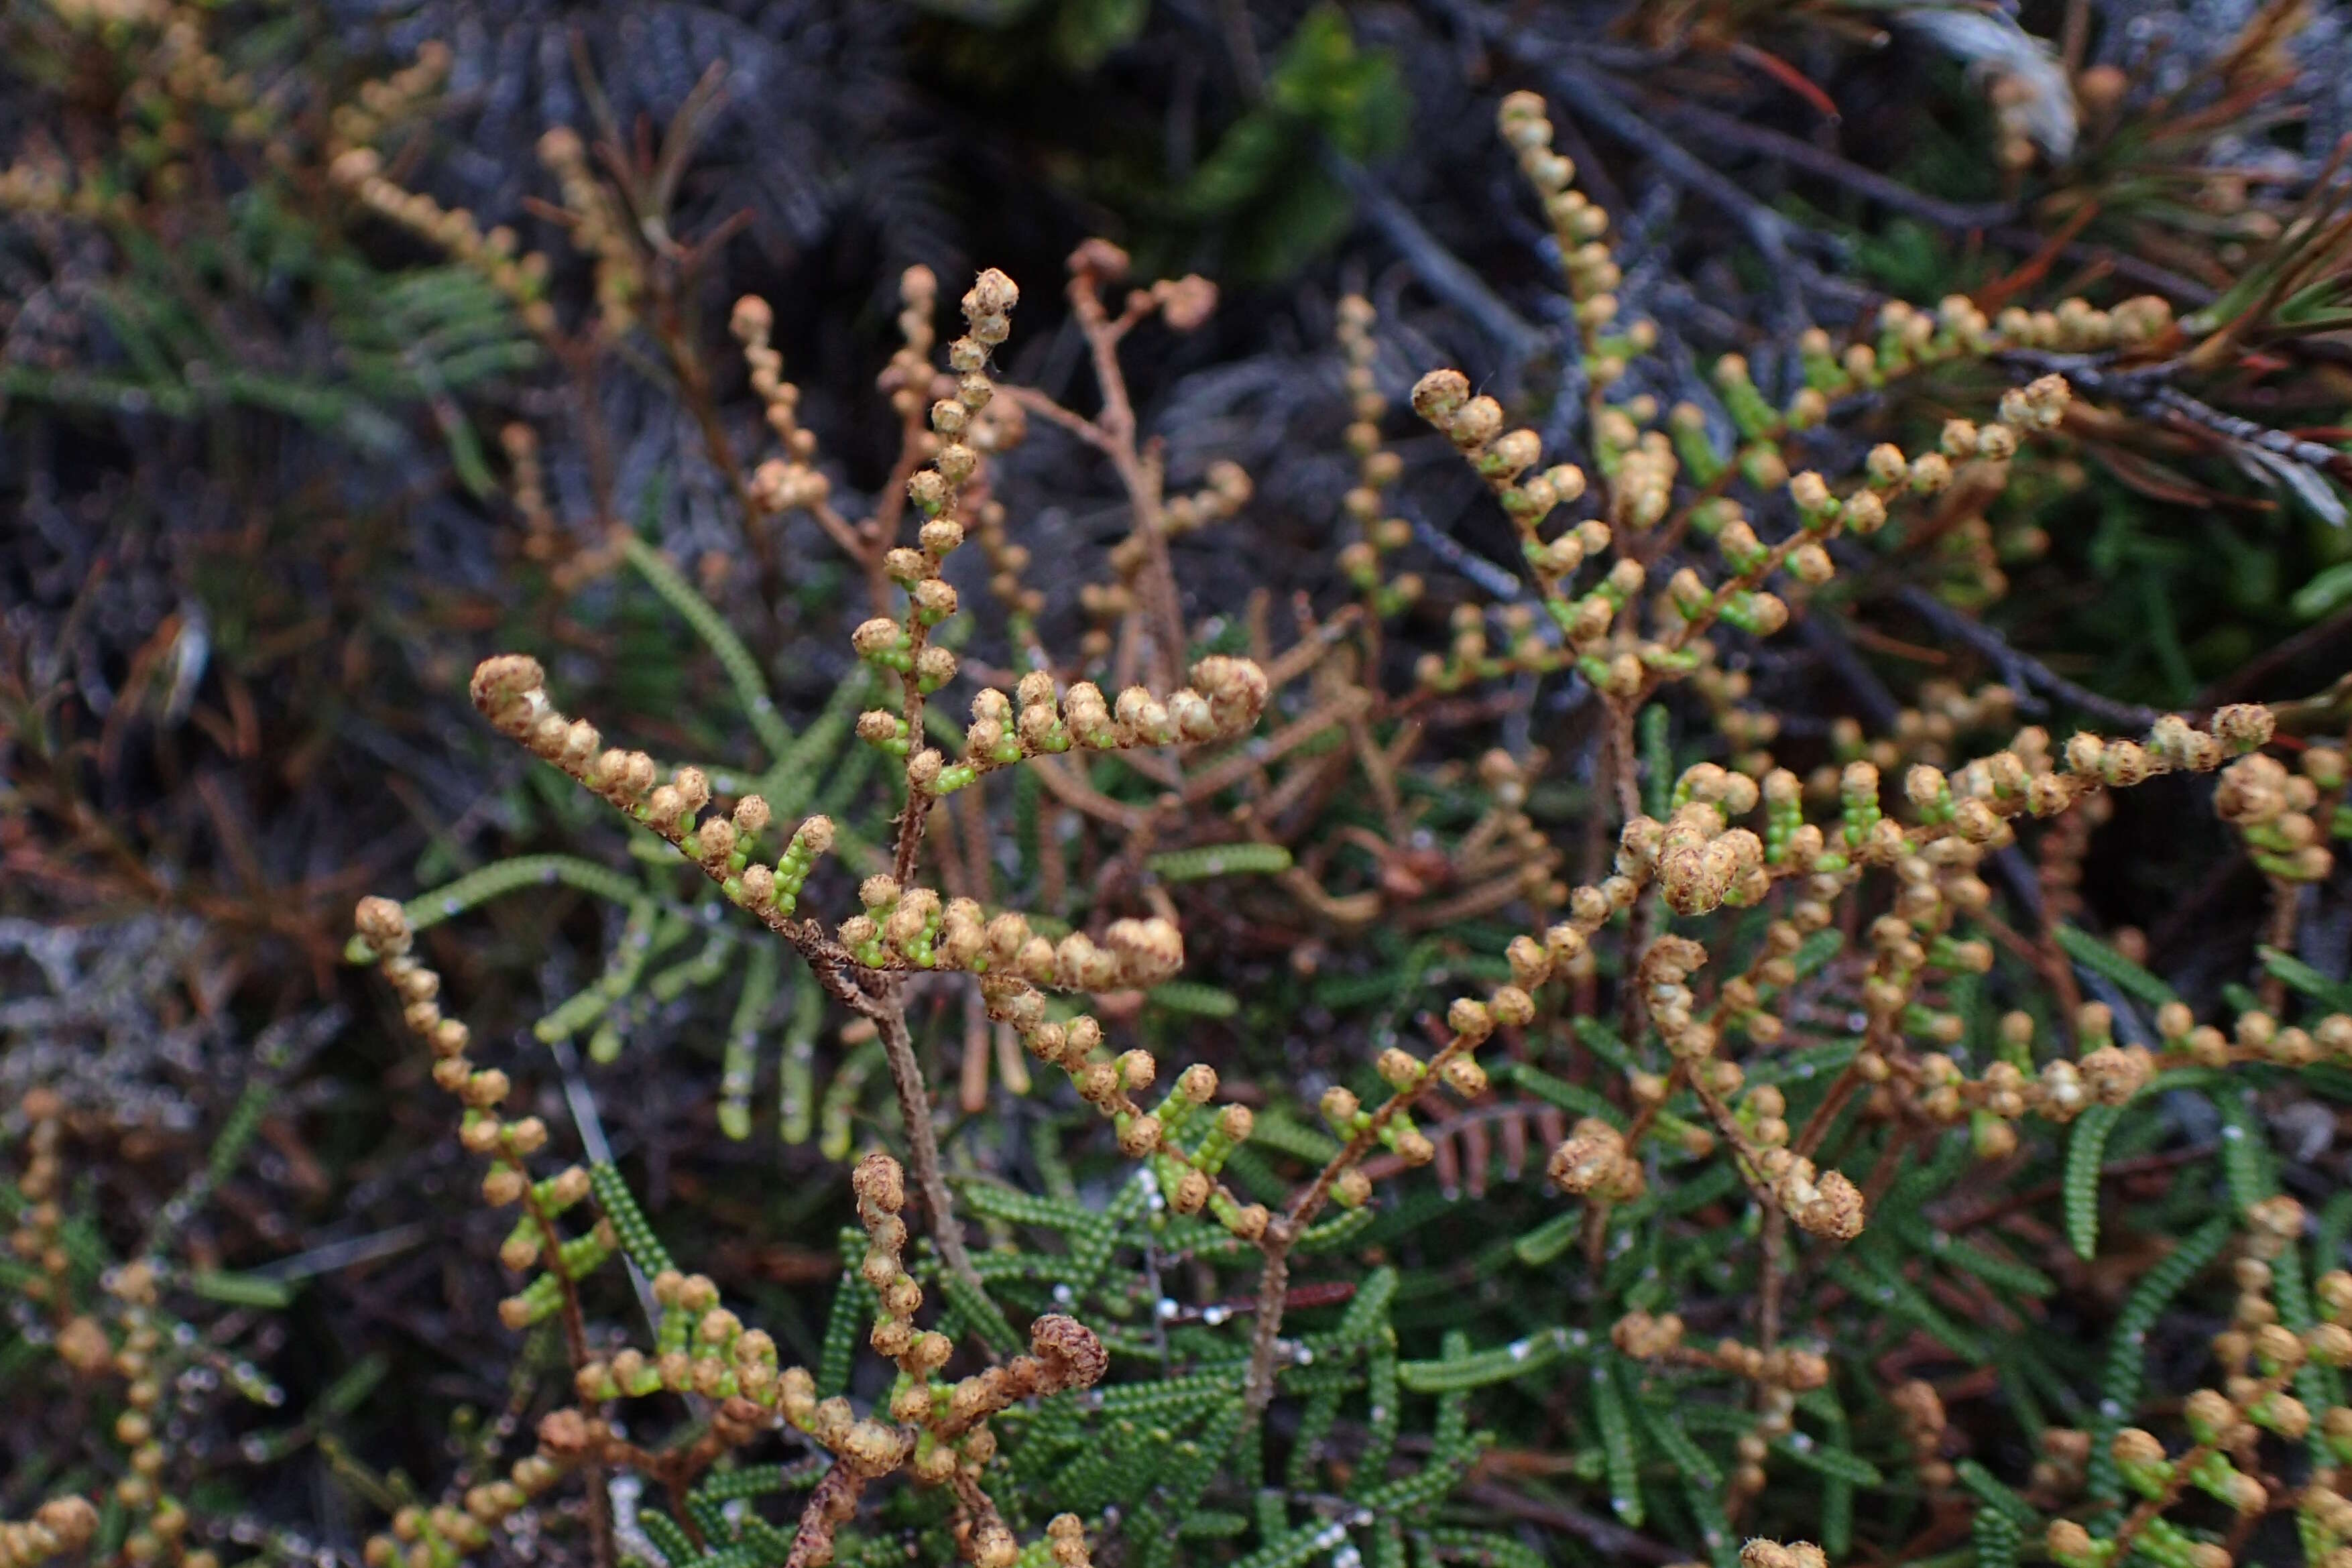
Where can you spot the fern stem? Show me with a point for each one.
(888, 1011)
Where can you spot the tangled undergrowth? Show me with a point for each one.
(1467, 1063)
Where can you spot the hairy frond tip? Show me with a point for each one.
(1832, 1207)
(1759, 1553)
(383, 924)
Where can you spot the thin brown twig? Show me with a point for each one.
(887, 1007)
(1139, 472)
(1283, 1233)
(575, 1345)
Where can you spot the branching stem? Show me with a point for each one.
(887, 1008)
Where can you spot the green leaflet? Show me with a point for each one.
(1315, 1422)
(709, 1517)
(1276, 1131)
(2245, 1152)
(236, 1134)
(1392, 985)
(1336, 1232)
(638, 1241)
(2022, 1373)
(1207, 1524)
(835, 1132)
(1173, 1399)
(2085, 1148)
(819, 757)
(2334, 1226)
(2330, 1079)
(1368, 1310)
(667, 1534)
(1714, 1526)
(621, 969)
(1219, 860)
(741, 1062)
(845, 1326)
(1875, 1281)
(1195, 999)
(706, 964)
(1365, 1324)
(2252, 1177)
(1453, 1429)
(1616, 1429)
(1382, 1412)
(500, 878)
(241, 1290)
(1837, 1493)
(1092, 1245)
(1549, 1239)
(2101, 959)
(1919, 1184)
(1666, 1430)
(993, 1201)
(1990, 1490)
(2301, 977)
(1843, 1463)
(1710, 1185)
(1816, 950)
(1602, 1041)
(1570, 1097)
(1455, 1374)
(2119, 1387)
(796, 1071)
(1302, 1543)
(1407, 1212)
(2329, 588)
(1970, 1258)
(752, 698)
(1657, 759)
(985, 1318)
(1264, 179)
(1184, 1474)
(1485, 1548)
(756, 1480)
(1997, 1538)
(1815, 1064)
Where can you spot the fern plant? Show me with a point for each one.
(1670, 1142)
